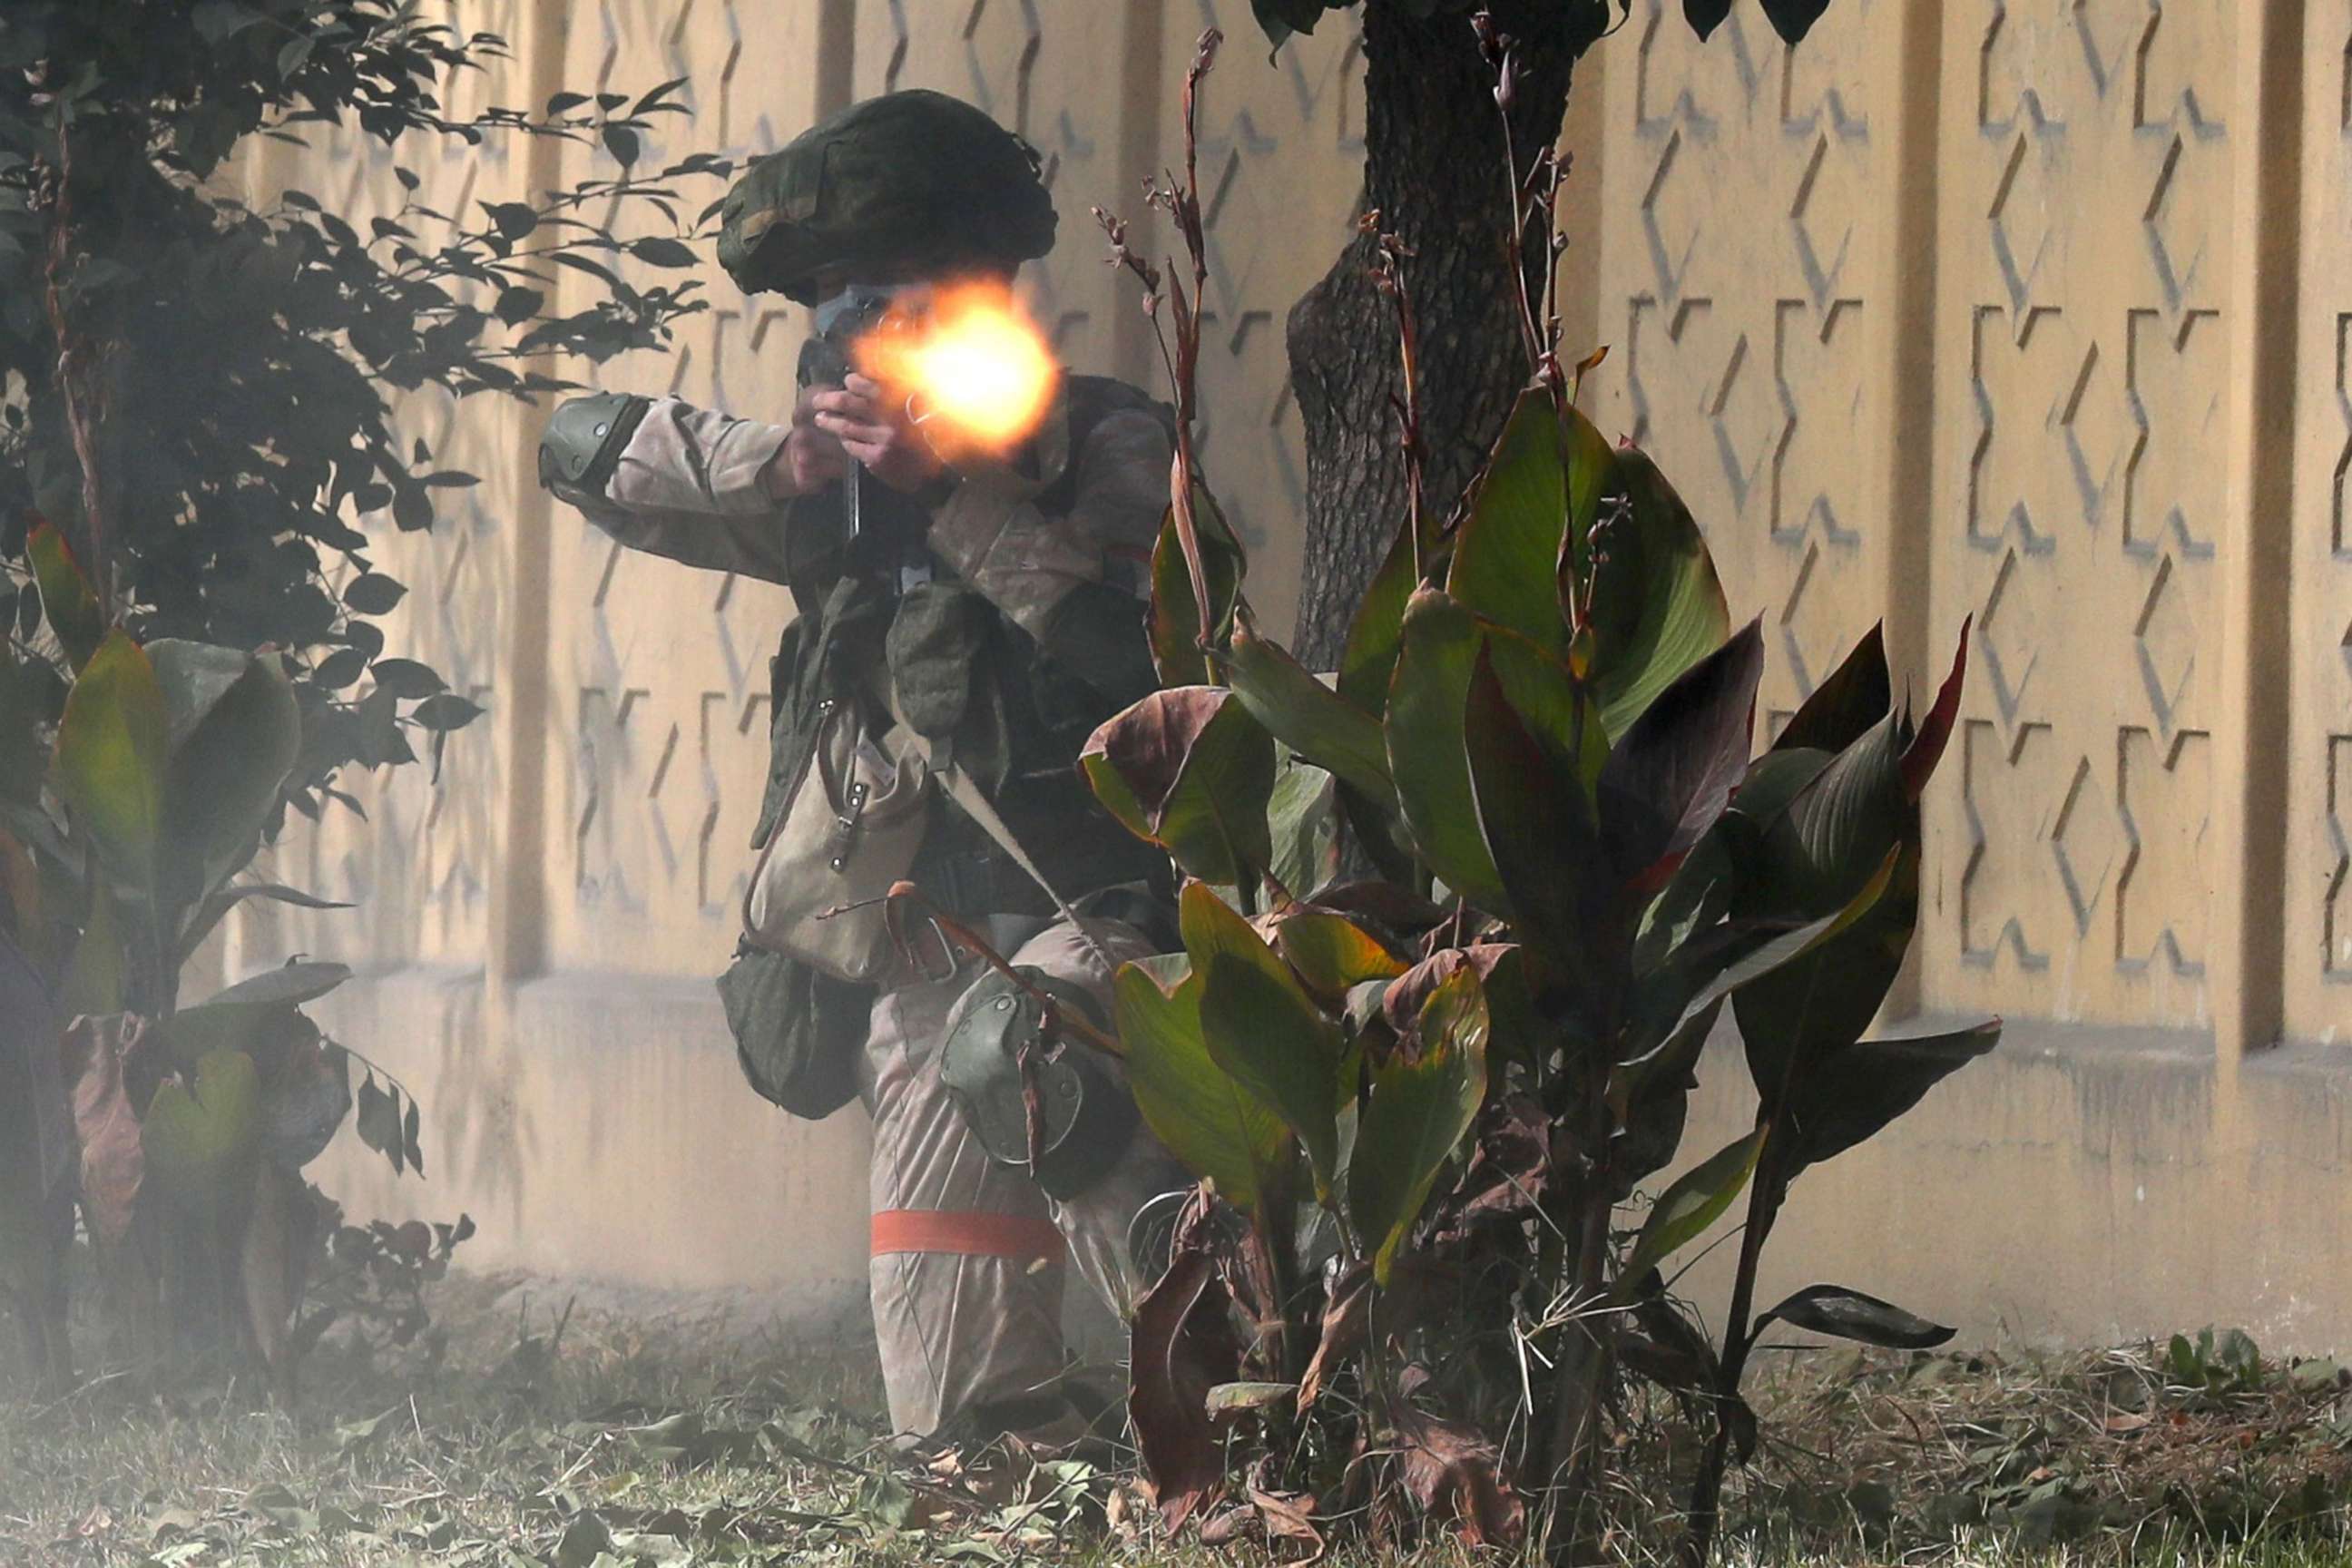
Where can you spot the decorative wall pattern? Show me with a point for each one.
(2084, 278)
(2319, 893)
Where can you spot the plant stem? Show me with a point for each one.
(1706, 1486)
(1584, 1361)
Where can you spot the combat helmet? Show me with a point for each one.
(911, 182)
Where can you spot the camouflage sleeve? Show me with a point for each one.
(1027, 561)
(691, 485)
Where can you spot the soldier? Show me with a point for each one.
(995, 608)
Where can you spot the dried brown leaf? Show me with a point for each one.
(1452, 1468)
(113, 1159)
(1183, 1345)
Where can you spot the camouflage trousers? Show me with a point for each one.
(969, 1256)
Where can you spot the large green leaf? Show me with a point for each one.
(1190, 770)
(1261, 1028)
(1369, 661)
(202, 1140)
(195, 677)
(1592, 476)
(1507, 556)
(97, 976)
(1214, 1126)
(1307, 716)
(1269, 1038)
(1175, 620)
(112, 753)
(1657, 606)
(1332, 954)
(1302, 818)
(236, 731)
(1696, 1201)
(1420, 1112)
(67, 602)
(1428, 738)
(1847, 1096)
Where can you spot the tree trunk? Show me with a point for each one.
(1434, 170)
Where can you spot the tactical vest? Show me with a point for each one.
(1013, 711)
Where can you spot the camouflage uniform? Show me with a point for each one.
(1040, 566)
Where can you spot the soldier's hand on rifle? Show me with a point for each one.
(859, 416)
(809, 458)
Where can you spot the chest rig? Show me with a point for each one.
(881, 611)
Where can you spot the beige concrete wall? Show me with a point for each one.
(2031, 314)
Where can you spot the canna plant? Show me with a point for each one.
(180, 1131)
(1421, 1100)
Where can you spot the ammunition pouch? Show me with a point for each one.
(584, 439)
(999, 1046)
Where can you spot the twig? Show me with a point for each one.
(1389, 278)
(1181, 199)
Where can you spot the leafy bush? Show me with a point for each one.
(201, 392)
(1420, 1100)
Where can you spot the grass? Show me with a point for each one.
(523, 1437)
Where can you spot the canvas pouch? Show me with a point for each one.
(849, 830)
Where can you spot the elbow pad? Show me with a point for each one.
(583, 441)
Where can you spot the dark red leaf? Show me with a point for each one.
(1536, 818)
(1843, 709)
(1506, 1171)
(1289, 1516)
(1927, 748)
(1409, 992)
(1667, 779)
(1149, 742)
(1418, 1289)
(1183, 1345)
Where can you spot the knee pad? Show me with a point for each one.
(1001, 1042)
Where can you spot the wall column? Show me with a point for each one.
(517, 948)
(2249, 801)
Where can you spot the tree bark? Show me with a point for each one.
(1434, 171)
